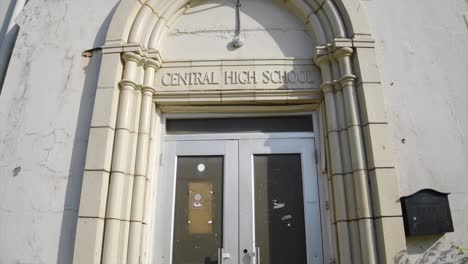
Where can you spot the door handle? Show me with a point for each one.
(254, 256)
(222, 255)
(257, 252)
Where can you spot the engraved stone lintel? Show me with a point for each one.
(232, 75)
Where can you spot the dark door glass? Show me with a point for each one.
(198, 210)
(279, 209)
(240, 125)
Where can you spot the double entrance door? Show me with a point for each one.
(245, 200)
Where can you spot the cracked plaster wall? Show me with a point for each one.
(45, 112)
(46, 105)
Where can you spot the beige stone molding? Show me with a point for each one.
(141, 162)
(240, 97)
(217, 90)
(236, 109)
(113, 219)
(352, 159)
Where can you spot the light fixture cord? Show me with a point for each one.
(238, 27)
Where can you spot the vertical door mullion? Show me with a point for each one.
(165, 204)
(246, 202)
(231, 203)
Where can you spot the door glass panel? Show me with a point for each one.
(198, 209)
(279, 209)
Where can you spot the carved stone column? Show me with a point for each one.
(346, 162)
(139, 184)
(336, 168)
(119, 167)
(359, 170)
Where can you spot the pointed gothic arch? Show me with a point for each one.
(113, 216)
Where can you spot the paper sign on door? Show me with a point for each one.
(200, 216)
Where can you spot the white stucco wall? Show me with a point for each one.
(47, 101)
(45, 112)
(423, 58)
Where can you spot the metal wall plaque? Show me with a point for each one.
(426, 212)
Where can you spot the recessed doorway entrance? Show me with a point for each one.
(247, 197)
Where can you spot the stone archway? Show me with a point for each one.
(113, 218)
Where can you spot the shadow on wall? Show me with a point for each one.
(431, 249)
(6, 19)
(80, 143)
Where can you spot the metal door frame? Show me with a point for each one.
(164, 226)
(303, 146)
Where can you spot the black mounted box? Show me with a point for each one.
(426, 212)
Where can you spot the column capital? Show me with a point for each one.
(142, 61)
(338, 86)
(347, 80)
(320, 51)
(148, 89)
(152, 63)
(327, 87)
(131, 56)
(319, 60)
(343, 52)
(128, 85)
